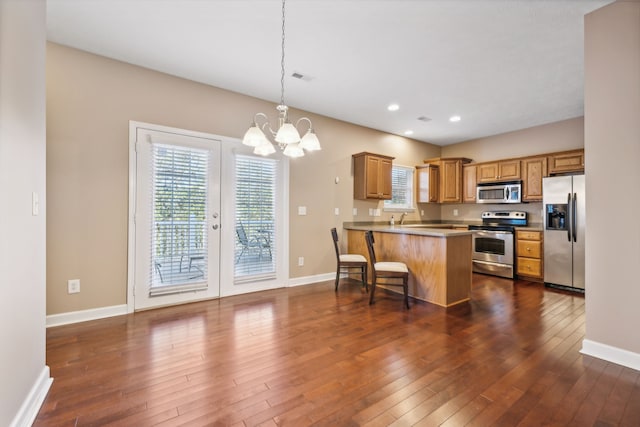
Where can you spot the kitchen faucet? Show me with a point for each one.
(402, 217)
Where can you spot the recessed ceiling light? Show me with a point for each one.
(393, 107)
(454, 118)
(408, 132)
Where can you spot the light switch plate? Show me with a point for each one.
(302, 210)
(337, 211)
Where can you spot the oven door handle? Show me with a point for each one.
(492, 233)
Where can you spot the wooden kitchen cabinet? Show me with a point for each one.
(505, 170)
(450, 177)
(372, 176)
(469, 183)
(533, 170)
(529, 254)
(428, 183)
(567, 161)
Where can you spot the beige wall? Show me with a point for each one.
(24, 377)
(558, 136)
(612, 144)
(90, 100)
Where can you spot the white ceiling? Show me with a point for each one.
(501, 65)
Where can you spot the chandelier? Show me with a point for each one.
(286, 136)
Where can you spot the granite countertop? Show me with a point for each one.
(439, 229)
(433, 230)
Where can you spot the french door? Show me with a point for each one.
(176, 238)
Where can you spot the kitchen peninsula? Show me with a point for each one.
(438, 257)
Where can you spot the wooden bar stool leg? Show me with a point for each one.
(364, 278)
(373, 288)
(405, 285)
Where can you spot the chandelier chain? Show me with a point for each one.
(282, 61)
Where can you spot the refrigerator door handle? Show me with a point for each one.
(570, 217)
(574, 221)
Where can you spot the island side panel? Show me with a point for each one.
(459, 269)
(428, 268)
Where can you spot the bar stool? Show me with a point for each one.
(349, 262)
(386, 270)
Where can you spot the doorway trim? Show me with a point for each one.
(229, 146)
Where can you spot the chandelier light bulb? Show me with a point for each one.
(287, 134)
(254, 136)
(264, 149)
(310, 141)
(293, 150)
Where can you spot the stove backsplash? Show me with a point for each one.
(473, 212)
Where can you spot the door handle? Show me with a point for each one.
(570, 216)
(215, 226)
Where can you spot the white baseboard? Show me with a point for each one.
(31, 405)
(307, 280)
(611, 354)
(84, 315)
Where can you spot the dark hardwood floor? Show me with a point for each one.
(308, 356)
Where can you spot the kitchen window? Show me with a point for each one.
(401, 189)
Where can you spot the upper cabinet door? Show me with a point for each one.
(509, 170)
(534, 169)
(487, 172)
(385, 168)
(469, 183)
(570, 161)
(450, 181)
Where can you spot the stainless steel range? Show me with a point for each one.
(493, 242)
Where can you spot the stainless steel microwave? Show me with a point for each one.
(504, 192)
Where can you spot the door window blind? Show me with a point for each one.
(255, 249)
(179, 236)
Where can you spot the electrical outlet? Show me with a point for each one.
(73, 286)
(455, 212)
(337, 211)
(422, 212)
(300, 261)
(302, 210)
(355, 211)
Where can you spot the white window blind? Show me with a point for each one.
(255, 248)
(179, 235)
(401, 188)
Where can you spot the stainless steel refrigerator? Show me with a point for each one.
(564, 231)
